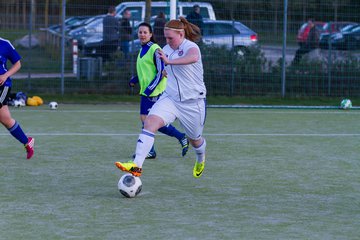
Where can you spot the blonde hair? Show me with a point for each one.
(192, 32)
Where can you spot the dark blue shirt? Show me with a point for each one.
(195, 18)
(7, 52)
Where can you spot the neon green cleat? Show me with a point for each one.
(129, 167)
(198, 169)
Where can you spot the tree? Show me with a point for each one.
(148, 11)
(33, 11)
(337, 4)
(46, 13)
(276, 7)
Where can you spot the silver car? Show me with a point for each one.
(231, 34)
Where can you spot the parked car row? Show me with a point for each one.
(231, 34)
(348, 38)
(83, 27)
(92, 26)
(215, 32)
(303, 32)
(336, 35)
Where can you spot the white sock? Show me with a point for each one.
(200, 152)
(143, 147)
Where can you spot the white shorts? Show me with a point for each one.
(191, 114)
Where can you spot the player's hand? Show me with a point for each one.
(3, 78)
(133, 81)
(164, 73)
(163, 57)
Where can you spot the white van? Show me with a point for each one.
(137, 9)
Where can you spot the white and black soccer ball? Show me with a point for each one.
(346, 104)
(17, 103)
(129, 185)
(53, 105)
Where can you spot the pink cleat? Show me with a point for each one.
(30, 147)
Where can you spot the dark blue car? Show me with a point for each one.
(338, 40)
(349, 40)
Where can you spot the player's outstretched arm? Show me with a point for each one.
(191, 56)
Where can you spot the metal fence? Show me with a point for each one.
(52, 62)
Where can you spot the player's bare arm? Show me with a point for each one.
(191, 56)
(10, 72)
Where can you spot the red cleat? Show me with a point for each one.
(30, 147)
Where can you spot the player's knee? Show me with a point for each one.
(153, 123)
(196, 143)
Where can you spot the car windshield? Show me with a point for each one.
(356, 29)
(224, 28)
(91, 19)
(94, 23)
(347, 28)
(120, 9)
(303, 27)
(242, 27)
(326, 26)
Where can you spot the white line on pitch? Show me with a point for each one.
(209, 134)
(238, 111)
(77, 111)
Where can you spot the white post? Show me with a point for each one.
(172, 9)
(75, 55)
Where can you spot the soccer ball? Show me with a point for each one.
(53, 105)
(346, 104)
(19, 103)
(129, 185)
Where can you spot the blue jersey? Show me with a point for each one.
(7, 52)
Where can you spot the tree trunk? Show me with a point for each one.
(276, 6)
(24, 18)
(17, 14)
(336, 6)
(46, 13)
(251, 5)
(148, 11)
(33, 13)
(304, 11)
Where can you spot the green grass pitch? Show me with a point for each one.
(270, 174)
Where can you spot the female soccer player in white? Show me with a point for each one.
(183, 99)
(149, 68)
(8, 52)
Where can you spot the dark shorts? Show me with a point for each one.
(4, 95)
(146, 104)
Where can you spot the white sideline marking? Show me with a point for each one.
(75, 111)
(228, 110)
(209, 134)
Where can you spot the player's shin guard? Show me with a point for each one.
(143, 146)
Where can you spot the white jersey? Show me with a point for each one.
(185, 82)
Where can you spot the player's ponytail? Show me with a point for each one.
(192, 32)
